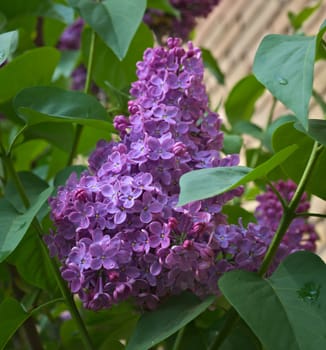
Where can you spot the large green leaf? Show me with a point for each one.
(294, 166)
(8, 44)
(115, 21)
(34, 67)
(59, 134)
(50, 104)
(240, 104)
(206, 183)
(35, 267)
(15, 225)
(107, 68)
(12, 317)
(292, 299)
(33, 186)
(157, 325)
(285, 65)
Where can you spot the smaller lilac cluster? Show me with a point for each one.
(119, 232)
(301, 234)
(164, 24)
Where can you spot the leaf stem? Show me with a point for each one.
(87, 87)
(289, 212)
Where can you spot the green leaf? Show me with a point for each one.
(285, 65)
(232, 143)
(240, 104)
(115, 21)
(293, 300)
(34, 268)
(121, 73)
(298, 19)
(316, 130)
(8, 44)
(294, 166)
(157, 325)
(59, 134)
(50, 104)
(12, 317)
(15, 225)
(33, 186)
(34, 67)
(212, 65)
(206, 183)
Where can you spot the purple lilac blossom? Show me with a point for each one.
(164, 24)
(119, 232)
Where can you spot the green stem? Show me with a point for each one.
(87, 87)
(178, 339)
(289, 212)
(61, 284)
(231, 320)
(287, 217)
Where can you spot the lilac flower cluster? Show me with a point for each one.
(301, 234)
(163, 23)
(120, 233)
